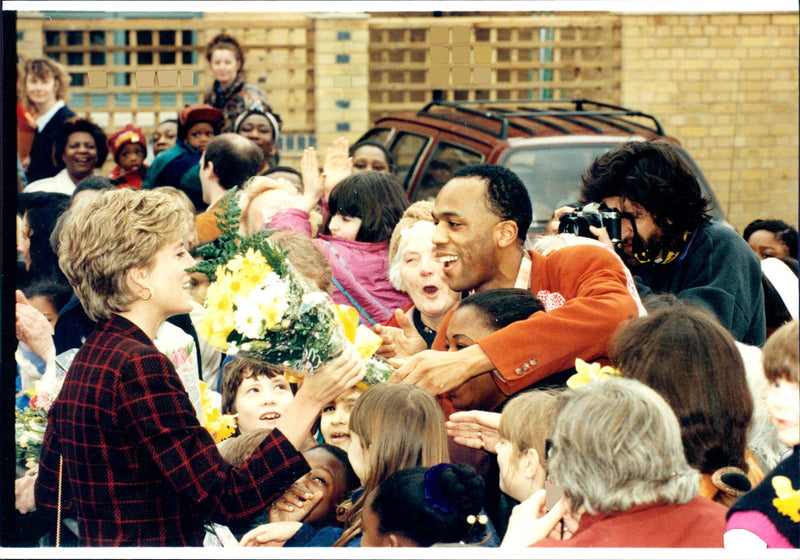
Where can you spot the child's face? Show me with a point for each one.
(344, 227)
(45, 306)
(131, 156)
(370, 522)
(326, 475)
(467, 325)
(783, 407)
(261, 401)
(512, 478)
(198, 287)
(358, 457)
(199, 135)
(335, 419)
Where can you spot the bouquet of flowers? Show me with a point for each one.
(258, 306)
(30, 423)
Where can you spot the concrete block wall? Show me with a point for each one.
(726, 85)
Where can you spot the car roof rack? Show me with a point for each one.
(571, 111)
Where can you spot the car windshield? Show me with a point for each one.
(552, 175)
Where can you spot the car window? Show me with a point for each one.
(405, 150)
(446, 160)
(552, 174)
(376, 135)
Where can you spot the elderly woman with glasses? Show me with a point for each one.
(617, 456)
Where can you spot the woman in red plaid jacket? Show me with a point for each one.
(123, 447)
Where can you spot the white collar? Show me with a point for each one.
(42, 121)
(523, 281)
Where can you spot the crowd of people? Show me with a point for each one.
(556, 392)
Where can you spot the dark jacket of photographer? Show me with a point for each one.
(718, 270)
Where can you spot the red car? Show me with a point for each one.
(548, 144)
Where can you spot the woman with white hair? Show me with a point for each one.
(415, 270)
(617, 456)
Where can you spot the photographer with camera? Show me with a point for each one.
(645, 201)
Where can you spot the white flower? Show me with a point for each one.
(262, 308)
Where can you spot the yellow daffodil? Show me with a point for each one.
(220, 426)
(586, 373)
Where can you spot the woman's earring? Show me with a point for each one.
(149, 294)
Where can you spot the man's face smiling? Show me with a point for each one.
(465, 234)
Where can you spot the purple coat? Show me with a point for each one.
(360, 270)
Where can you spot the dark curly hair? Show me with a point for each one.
(785, 233)
(506, 194)
(654, 175)
(430, 505)
(79, 124)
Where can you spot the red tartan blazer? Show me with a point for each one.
(138, 467)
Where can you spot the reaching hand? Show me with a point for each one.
(23, 491)
(338, 164)
(271, 534)
(295, 504)
(530, 521)
(440, 372)
(33, 328)
(475, 428)
(400, 342)
(335, 377)
(309, 169)
(552, 226)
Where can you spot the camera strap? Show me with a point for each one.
(670, 249)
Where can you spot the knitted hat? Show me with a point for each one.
(128, 135)
(193, 114)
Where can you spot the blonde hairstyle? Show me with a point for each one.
(110, 234)
(42, 68)
(256, 186)
(781, 355)
(237, 450)
(529, 419)
(309, 261)
(617, 444)
(184, 199)
(421, 441)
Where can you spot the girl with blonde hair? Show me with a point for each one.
(378, 449)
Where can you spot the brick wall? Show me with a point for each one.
(726, 85)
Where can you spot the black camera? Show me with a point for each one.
(593, 214)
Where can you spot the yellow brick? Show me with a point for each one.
(755, 19)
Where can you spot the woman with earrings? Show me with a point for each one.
(124, 452)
